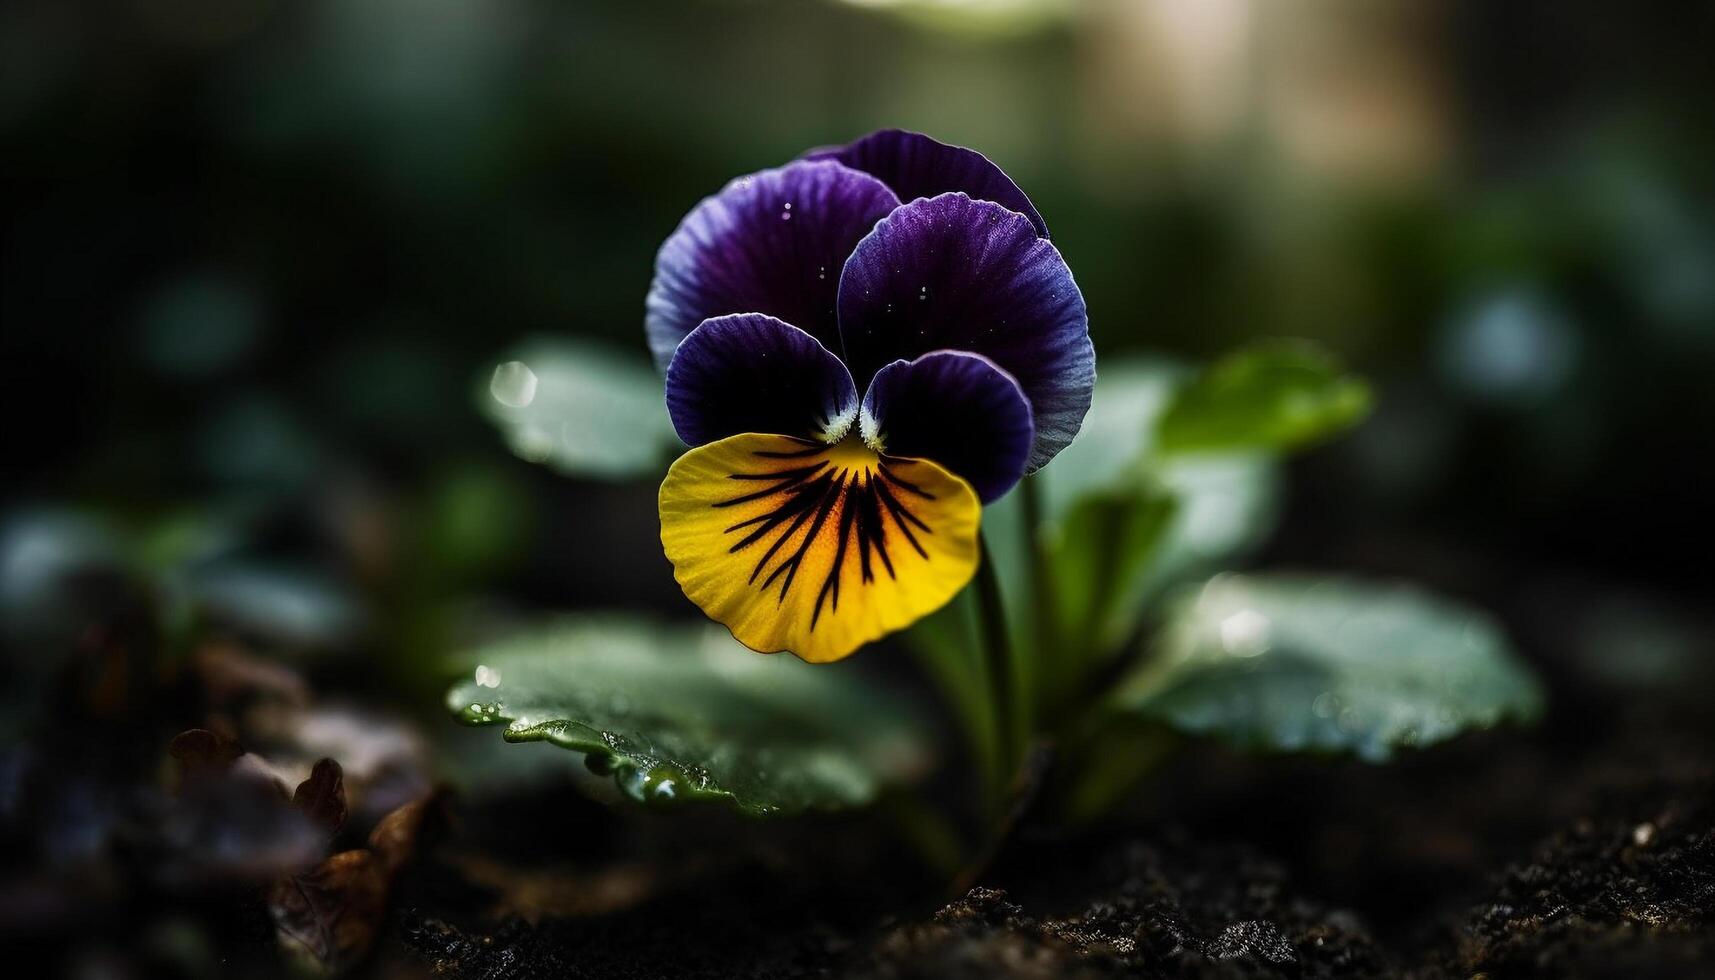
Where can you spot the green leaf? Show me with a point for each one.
(1100, 558)
(685, 713)
(1225, 504)
(1117, 436)
(1184, 517)
(1107, 458)
(1276, 396)
(581, 408)
(1298, 662)
(948, 646)
(1228, 506)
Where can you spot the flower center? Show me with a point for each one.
(843, 501)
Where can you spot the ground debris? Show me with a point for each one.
(1586, 851)
(1204, 912)
(1612, 896)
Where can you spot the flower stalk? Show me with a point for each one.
(999, 662)
(1043, 615)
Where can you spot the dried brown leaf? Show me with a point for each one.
(322, 796)
(409, 830)
(328, 918)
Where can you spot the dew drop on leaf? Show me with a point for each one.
(513, 384)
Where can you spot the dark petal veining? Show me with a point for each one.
(753, 373)
(772, 242)
(916, 166)
(950, 273)
(956, 408)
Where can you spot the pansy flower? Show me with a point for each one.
(808, 518)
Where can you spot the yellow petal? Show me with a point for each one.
(815, 549)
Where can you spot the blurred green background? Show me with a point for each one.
(260, 257)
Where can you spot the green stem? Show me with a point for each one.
(997, 644)
(926, 830)
(1042, 653)
(1114, 759)
(950, 651)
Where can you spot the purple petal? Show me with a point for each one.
(753, 373)
(917, 166)
(950, 273)
(772, 242)
(954, 408)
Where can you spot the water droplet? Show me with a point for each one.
(487, 676)
(481, 714)
(513, 384)
(1643, 833)
(1326, 705)
(785, 216)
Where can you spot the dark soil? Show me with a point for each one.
(1585, 848)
